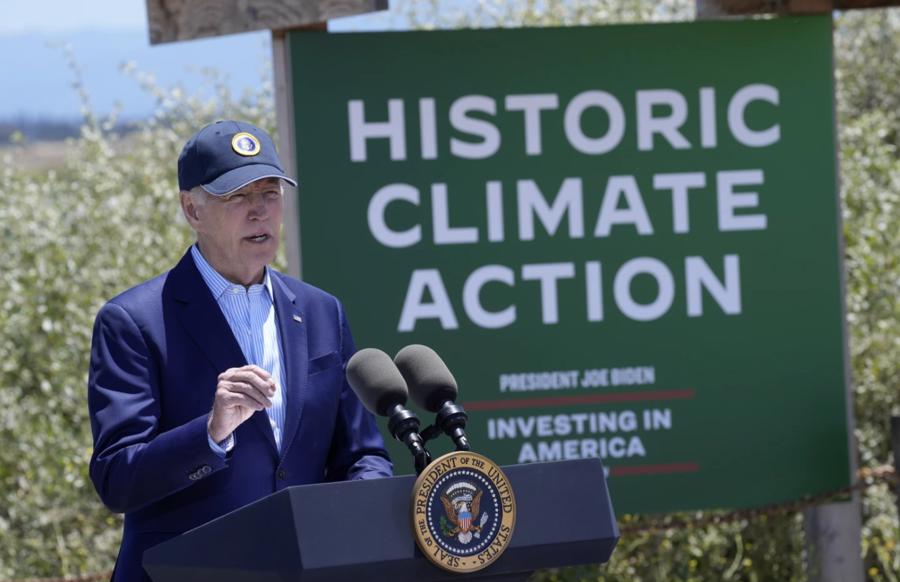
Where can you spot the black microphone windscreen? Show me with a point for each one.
(430, 382)
(376, 381)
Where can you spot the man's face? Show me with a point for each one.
(239, 233)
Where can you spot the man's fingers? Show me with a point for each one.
(238, 390)
(249, 373)
(240, 399)
(251, 377)
(252, 369)
(258, 371)
(254, 392)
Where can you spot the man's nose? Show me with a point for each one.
(258, 206)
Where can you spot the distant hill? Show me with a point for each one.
(37, 129)
(42, 129)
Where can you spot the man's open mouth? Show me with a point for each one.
(258, 238)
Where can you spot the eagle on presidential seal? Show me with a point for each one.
(462, 506)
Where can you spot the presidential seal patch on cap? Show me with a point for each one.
(245, 144)
(463, 512)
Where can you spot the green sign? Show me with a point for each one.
(623, 240)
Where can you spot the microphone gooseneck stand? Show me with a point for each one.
(451, 420)
(404, 425)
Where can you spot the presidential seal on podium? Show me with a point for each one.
(463, 512)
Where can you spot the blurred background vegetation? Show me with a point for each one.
(106, 216)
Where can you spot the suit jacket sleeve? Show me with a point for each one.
(357, 449)
(133, 463)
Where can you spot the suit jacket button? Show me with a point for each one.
(282, 474)
(205, 470)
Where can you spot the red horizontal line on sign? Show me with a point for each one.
(654, 469)
(581, 399)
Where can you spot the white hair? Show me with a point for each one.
(198, 195)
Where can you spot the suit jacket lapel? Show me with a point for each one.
(292, 329)
(204, 321)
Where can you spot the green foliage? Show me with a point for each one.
(431, 14)
(109, 218)
(759, 550)
(73, 238)
(867, 54)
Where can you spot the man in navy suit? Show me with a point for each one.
(221, 381)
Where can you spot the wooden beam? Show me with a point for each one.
(718, 8)
(857, 4)
(172, 20)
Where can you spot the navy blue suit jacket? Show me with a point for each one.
(157, 351)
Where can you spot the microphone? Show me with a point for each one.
(433, 387)
(382, 390)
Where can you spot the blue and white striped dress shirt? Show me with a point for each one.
(250, 313)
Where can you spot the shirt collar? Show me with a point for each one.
(218, 284)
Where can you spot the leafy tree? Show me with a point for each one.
(867, 55)
(73, 238)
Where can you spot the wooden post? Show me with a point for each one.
(284, 121)
(287, 145)
(833, 541)
(834, 530)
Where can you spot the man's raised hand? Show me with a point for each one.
(239, 393)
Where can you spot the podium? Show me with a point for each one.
(361, 530)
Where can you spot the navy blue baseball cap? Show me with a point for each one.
(227, 155)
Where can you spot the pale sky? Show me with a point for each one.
(73, 15)
(70, 15)
(105, 34)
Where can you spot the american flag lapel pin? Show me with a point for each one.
(297, 318)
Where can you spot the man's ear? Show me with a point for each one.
(189, 209)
